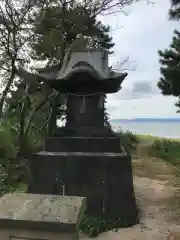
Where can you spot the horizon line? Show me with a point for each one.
(128, 118)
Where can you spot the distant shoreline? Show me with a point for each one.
(165, 129)
(160, 120)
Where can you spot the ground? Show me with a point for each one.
(158, 196)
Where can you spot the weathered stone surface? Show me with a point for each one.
(97, 58)
(87, 71)
(37, 211)
(87, 144)
(85, 110)
(104, 178)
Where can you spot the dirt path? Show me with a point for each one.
(157, 191)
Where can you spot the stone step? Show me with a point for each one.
(83, 144)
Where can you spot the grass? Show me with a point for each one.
(161, 148)
(128, 140)
(153, 138)
(165, 149)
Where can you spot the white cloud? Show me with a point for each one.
(145, 30)
(144, 107)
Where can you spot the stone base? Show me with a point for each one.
(83, 131)
(85, 144)
(104, 178)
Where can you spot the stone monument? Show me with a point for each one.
(38, 217)
(84, 158)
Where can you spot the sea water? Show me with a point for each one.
(160, 129)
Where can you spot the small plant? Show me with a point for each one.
(128, 140)
(92, 226)
(6, 182)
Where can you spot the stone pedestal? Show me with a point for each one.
(40, 217)
(96, 168)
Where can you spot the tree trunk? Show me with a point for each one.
(52, 115)
(31, 115)
(21, 138)
(6, 90)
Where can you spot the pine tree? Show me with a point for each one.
(169, 83)
(60, 27)
(170, 60)
(174, 12)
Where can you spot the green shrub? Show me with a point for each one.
(8, 152)
(6, 182)
(92, 226)
(167, 150)
(128, 139)
(7, 144)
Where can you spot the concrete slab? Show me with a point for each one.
(37, 211)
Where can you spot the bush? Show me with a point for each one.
(92, 226)
(7, 143)
(8, 152)
(128, 139)
(167, 150)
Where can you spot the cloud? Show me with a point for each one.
(147, 107)
(145, 30)
(143, 89)
(137, 90)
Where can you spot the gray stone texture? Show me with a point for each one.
(38, 211)
(106, 181)
(83, 144)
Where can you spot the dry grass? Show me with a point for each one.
(164, 174)
(153, 168)
(161, 175)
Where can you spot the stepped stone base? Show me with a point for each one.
(104, 178)
(83, 144)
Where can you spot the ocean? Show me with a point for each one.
(160, 129)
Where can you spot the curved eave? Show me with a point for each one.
(95, 84)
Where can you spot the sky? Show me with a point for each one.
(138, 35)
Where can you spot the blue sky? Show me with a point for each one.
(139, 36)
